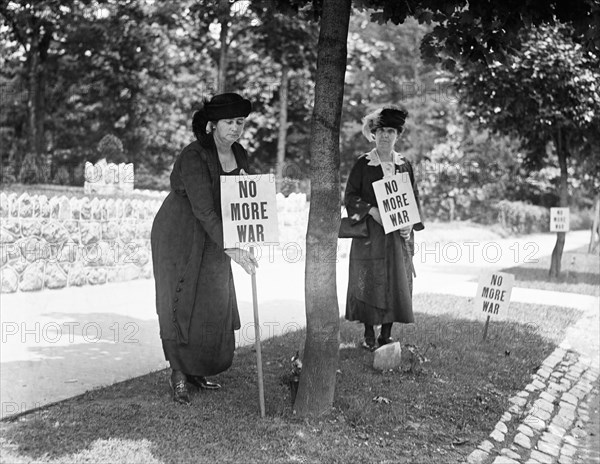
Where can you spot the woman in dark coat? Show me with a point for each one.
(381, 270)
(195, 295)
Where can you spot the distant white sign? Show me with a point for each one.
(493, 293)
(396, 202)
(249, 210)
(559, 219)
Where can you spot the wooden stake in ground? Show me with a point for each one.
(261, 391)
(485, 328)
(249, 211)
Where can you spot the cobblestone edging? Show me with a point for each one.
(544, 423)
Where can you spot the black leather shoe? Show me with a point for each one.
(384, 341)
(179, 388)
(201, 382)
(368, 344)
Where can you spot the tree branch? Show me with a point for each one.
(236, 34)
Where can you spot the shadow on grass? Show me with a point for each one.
(568, 277)
(580, 273)
(436, 414)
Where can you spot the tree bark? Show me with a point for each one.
(283, 107)
(224, 13)
(595, 232)
(33, 99)
(33, 167)
(563, 191)
(317, 382)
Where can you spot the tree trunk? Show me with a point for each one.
(32, 167)
(32, 98)
(281, 138)
(40, 111)
(563, 192)
(595, 235)
(224, 12)
(317, 382)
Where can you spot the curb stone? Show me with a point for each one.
(546, 421)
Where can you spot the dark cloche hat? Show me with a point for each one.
(227, 106)
(383, 117)
(391, 117)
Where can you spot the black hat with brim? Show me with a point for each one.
(390, 117)
(227, 106)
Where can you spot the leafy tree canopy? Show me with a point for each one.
(550, 85)
(486, 31)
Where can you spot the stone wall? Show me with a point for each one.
(57, 242)
(108, 178)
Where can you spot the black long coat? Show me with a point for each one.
(195, 293)
(381, 268)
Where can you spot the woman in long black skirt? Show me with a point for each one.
(195, 295)
(381, 270)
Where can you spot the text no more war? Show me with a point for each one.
(494, 296)
(393, 203)
(253, 211)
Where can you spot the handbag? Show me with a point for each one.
(350, 230)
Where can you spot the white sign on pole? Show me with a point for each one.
(249, 210)
(559, 219)
(396, 202)
(493, 293)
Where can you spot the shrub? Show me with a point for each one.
(32, 170)
(289, 185)
(523, 218)
(581, 219)
(111, 148)
(144, 179)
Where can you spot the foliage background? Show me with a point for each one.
(137, 70)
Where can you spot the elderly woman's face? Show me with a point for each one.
(229, 129)
(385, 137)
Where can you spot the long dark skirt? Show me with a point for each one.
(211, 334)
(380, 279)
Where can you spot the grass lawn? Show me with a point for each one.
(580, 273)
(434, 413)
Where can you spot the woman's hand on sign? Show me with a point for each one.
(244, 258)
(375, 213)
(405, 232)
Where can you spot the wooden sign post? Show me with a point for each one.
(396, 202)
(493, 296)
(559, 219)
(249, 211)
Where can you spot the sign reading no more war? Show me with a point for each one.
(249, 210)
(493, 293)
(559, 219)
(396, 202)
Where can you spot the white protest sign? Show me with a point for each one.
(493, 293)
(396, 202)
(559, 219)
(249, 210)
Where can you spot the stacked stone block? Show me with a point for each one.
(292, 215)
(58, 242)
(108, 178)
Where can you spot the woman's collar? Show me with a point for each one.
(374, 160)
